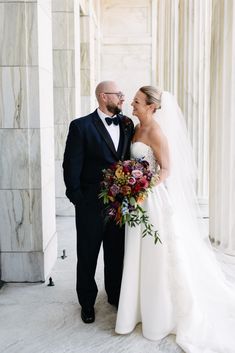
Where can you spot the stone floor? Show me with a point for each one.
(36, 318)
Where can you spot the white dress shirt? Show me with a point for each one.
(113, 130)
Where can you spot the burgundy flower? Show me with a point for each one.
(143, 183)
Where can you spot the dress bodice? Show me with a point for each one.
(141, 150)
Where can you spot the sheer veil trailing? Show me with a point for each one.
(203, 299)
(183, 171)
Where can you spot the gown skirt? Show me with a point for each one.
(177, 286)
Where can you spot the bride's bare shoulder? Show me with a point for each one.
(155, 131)
(157, 137)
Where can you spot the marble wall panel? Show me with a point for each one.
(85, 27)
(64, 104)
(64, 207)
(19, 106)
(130, 68)
(85, 82)
(63, 68)
(47, 156)
(30, 266)
(46, 98)
(61, 132)
(86, 107)
(20, 159)
(20, 220)
(126, 18)
(18, 34)
(48, 212)
(62, 5)
(44, 35)
(85, 56)
(120, 58)
(59, 180)
(18, 1)
(50, 256)
(22, 266)
(44, 6)
(63, 30)
(84, 6)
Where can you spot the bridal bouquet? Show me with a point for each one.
(124, 187)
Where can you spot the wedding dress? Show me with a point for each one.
(177, 286)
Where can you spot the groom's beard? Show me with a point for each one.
(114, 109)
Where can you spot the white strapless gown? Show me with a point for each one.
(174, 287)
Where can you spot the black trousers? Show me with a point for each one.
(92, 230)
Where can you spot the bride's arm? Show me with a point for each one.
(159, 145)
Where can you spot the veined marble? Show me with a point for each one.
(63, 68)
(64, 104)
(61, 132)
(19, 106)
(21, 220)
(30, 266)
(63, 30)
(46, 99)
(65, 63)
(59, 180)
(18, 33)
(47, 156)
(19, 159)
(27, 216)
(127, 44)
(63, 5)
(120, 17)
(48, 219)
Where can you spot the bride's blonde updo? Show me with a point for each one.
(153, 96)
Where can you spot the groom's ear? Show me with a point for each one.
(102, 96)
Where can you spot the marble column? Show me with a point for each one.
(75, 33)
(63, 37)
(183, 67)
(28, 242)
(90, 55)
(222, 124)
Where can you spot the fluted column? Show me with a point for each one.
(183, 67)
(222, 123)
(28, 242)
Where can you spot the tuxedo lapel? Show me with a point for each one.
(104, 133)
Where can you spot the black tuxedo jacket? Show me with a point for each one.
(89, 149)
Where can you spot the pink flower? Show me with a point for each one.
(131, 181)
(137, 173)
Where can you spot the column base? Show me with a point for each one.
(34, 266)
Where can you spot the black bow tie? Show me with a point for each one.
(114, 121)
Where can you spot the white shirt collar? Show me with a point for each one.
(102, 115)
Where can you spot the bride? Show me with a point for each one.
(175, 286)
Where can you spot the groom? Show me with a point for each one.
(95, 142)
